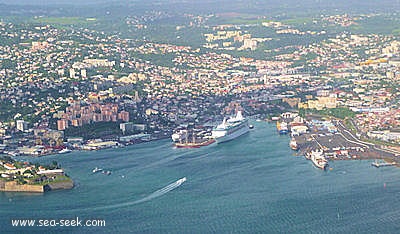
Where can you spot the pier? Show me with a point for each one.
(383, 164)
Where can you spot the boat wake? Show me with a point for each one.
(162, 191)
(153, 195)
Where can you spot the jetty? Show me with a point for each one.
(383, 164)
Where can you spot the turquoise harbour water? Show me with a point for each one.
(253, 184)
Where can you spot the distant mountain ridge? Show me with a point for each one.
(215, 6)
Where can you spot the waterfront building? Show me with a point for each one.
(126, 127)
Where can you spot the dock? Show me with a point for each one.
(383, 164)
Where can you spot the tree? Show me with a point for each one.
(28, 172)
(302, 112)
(8, 64)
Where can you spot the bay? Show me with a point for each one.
(251, 184)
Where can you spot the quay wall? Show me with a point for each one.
(12, 186)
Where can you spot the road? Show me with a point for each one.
(384, 153)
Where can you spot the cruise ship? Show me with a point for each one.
(231, 128)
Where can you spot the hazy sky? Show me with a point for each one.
(49, 2)
(229, 5)
(273, 2)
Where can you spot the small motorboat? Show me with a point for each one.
(96, 169)
(106, 172)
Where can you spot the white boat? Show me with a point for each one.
(179, 135)
(64, 151)
(96, 169)
(293, 144)
(180, 181)
(318, 159)
(231, 128)
(106, 172)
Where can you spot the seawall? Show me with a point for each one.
(12, 186)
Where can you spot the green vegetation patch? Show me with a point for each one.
(396, 31)
(340, 112)
(237, 18)
(94, 130)
(164, 60)
(380, 24)
(64, 20)
(298, 21)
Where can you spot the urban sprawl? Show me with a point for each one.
(80, 88)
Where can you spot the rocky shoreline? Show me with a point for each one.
(59, 186)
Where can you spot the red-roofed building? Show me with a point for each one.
(9, 166)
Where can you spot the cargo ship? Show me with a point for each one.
(318, 159)
(282, 127)
(231, 128)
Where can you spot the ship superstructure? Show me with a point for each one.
(231, 128)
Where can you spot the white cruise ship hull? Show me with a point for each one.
(237, 133)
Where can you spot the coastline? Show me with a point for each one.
(220, 171)
(90, 145)
(13, 186)
(335, 141)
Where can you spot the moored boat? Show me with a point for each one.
(318, 159)
(231, 128)
(195, 144)
(293, 144)
(179, 135)
(282, 127)
(65, 151)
